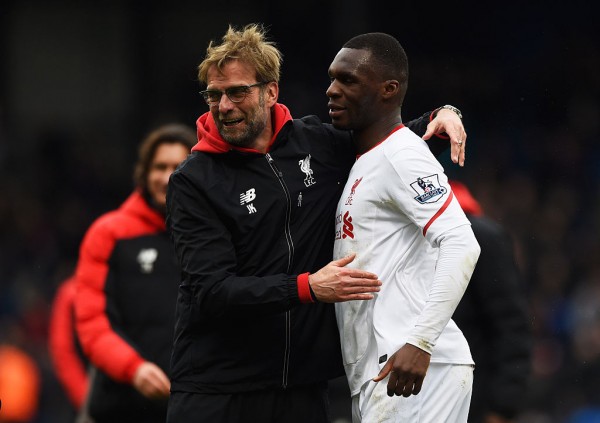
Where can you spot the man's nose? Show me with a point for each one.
(225, 104)
(332, 90)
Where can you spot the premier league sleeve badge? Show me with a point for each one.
(428, 189)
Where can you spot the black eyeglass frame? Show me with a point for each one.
(230, 92)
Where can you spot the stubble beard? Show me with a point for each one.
(256, 121)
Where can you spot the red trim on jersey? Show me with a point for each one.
(439, 212)
(304, 289)
(397, 128)
(101, 344)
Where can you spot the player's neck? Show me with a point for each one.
(368, 137)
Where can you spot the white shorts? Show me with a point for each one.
(444, 397)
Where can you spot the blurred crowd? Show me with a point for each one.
(534, 169)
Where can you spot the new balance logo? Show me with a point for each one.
(248, 196)
(246, 199)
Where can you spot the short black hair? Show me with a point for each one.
(386, 54)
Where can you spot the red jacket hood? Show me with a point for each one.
(136, 205)
(210, 141)
(466, 200)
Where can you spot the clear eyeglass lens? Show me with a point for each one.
(212, 96)
(237, 94)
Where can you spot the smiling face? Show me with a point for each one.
(354, 90)
(166, 159)
(246, 123)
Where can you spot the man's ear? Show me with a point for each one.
(391, 88)
(271, 93)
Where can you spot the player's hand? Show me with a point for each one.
(447, 121)
(151, 381)
(407, 368)
(335, 283)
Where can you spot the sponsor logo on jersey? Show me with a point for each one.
(305, 167)
(352, 192)
(347, 229)
(246, 198)
(146, 259)
(428, 189)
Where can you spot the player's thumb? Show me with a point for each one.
(385, 370)
(344, 260)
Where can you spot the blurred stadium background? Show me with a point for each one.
(81, 82)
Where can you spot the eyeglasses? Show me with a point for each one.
(235, 94)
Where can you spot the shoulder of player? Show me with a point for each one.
(406, 145)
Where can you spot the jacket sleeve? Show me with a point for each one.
(208, 260)
(68, 364)
(105, 349)
(437, 144)
(496, 285)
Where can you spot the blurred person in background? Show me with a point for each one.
(251, 214)
(127, 279)
(68, 361)
(493, 316)
(583, 373)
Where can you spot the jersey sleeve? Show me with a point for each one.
(105, 349)
(458, 255)
(422, 191)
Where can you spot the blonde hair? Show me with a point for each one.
(248, 45)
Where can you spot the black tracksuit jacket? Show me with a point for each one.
(494, 317)
(245, 225)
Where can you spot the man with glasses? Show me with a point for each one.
(251, 215)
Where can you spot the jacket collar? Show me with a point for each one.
(210, 141)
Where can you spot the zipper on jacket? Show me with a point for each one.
(288, 237)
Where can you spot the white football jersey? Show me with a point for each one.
(395, 205)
